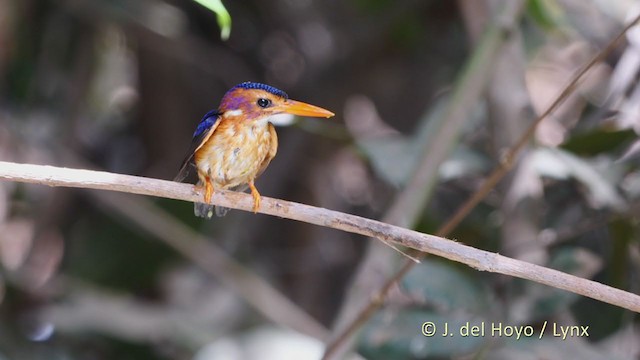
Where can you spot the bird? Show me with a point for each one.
(233, 144)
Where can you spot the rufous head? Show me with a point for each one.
(250, 101)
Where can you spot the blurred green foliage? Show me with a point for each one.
(223, 16)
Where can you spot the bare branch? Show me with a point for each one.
(376, 273)
(478, 259)
(490, 182)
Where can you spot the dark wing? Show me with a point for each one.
(206, 127)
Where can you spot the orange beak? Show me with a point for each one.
(303, 109)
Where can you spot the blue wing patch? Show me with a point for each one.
(205, 128)
(208, 120)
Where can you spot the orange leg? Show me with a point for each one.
(208, 188)
(256, 197)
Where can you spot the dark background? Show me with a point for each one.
(120, 86)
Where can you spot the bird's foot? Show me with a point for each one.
(207, 187)
(208, 191)
(256, 197)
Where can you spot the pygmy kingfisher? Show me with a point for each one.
(234, 144)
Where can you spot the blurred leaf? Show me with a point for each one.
(603, 319)
(264, 342)
(16, 239)
(559, 164)
(431, 282)
(598, 141)
(576, 261)
(391, 336)
(625, 337)
(623, 86)
(395, 157)
(540, 301)
(463, 162)
(544, 12)
(549, 71)
(632, 152)
(224, 18)
(631, 185)
(622, 234)
(548, 348)
(384, 155)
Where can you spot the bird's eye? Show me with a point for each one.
(264, 103)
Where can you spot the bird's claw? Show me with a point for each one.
(256, 197)
(208, 190)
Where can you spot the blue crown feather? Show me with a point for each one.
(265, 87)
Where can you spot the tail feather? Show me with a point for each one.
(221, 211)
(207, 210)
(203, 210)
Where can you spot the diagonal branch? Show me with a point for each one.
(475, 258)
(409, 203)
(506, 163)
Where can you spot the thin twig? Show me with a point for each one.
(506, 163)
(478, 259)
